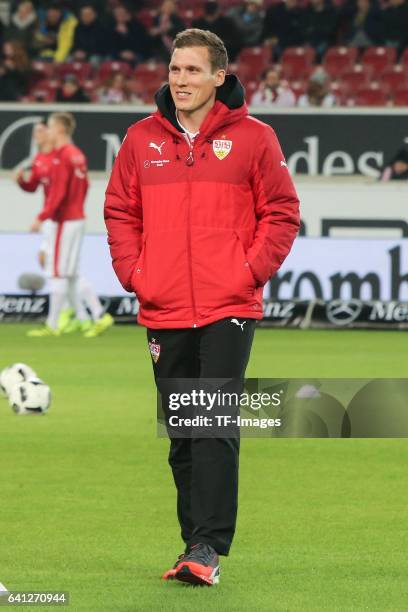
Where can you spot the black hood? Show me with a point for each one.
(231, 93)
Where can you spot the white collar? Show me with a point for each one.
(189, 134)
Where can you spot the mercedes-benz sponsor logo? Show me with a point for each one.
(343, 312)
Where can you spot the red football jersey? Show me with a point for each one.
(40, 174)
(68, 185)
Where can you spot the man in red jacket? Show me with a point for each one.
(200, 211)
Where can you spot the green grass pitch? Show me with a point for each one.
(87, 503)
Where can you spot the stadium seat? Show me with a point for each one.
(90, 87)
(371, 95)
(253, 60)
(44, 91)
(187, 16)
(338, 91)
(404, 58)
(298, 88)
(400, 97)
(394, 76)
(82, 70)
(250, 89)
(286, 72)
(107, 69)
(296, 62)
(355, 77)
(379, 58)
(149, 70)
(41, 71)
(339, 59)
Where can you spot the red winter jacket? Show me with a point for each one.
(197, 233)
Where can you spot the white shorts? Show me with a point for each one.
(62, 246)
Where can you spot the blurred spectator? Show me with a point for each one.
(365, 25)
(56, 34)
(249, 19)
(395, 18)
(127, 37)
(397, 169)
(317, 93)
(320, 25)
(23, 26)
(273, 92)
(71, 91)
(166, 25)
(14, 70)
(284, 26)
(90, 42)
(114, 91)
(225, 27)
(135, 90)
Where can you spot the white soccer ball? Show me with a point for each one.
(31, 396)
(16, 373)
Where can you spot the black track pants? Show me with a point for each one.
(205, 470)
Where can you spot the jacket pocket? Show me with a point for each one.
(245, 261)
(161, 273)
(222, 275)
(138, 273)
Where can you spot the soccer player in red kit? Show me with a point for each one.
(40, 175)
(64, 208)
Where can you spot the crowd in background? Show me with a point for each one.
(142, 30)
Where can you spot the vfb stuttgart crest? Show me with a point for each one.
(222, 148)
(154, 350)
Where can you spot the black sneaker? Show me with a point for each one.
(199, 566)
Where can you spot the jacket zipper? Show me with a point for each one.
(190, 162)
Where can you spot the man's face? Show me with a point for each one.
(272, 79)
(121, 14)
(400, 167)
(87, 15)
(53, 16)
(41, 134)
(192, 82)
(24, 10)
(54, 129)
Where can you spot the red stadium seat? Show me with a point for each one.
(352, 79)
(371, 95)
(379, 57)
(44, 91)
(404, 58)
(82, 70)
(298, 88)
(296, 62)
(394, 76)
(151, 69)
(337, 90)
(107, 69)
(41, 71)
(339, 59)
(400, 97)
(250, 89)
(252, 61)
(90, 87)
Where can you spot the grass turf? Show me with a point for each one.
(88, 504)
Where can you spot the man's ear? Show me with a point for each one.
(219, 78)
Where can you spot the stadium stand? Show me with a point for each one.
(30, 70)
